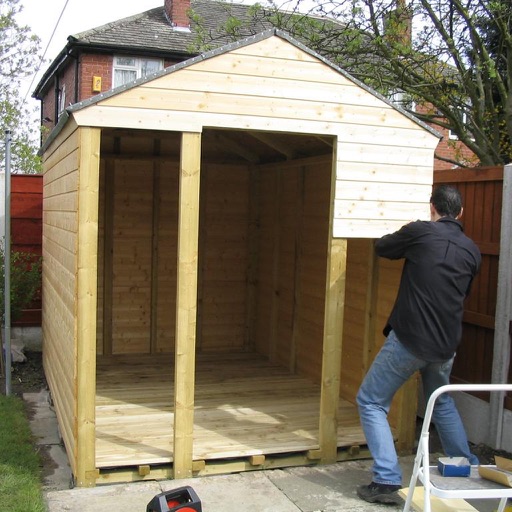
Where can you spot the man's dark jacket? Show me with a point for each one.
(440, 264)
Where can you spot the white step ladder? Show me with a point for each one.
(438, 490)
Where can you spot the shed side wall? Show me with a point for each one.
(59, 325)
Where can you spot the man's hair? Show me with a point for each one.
(447, 201)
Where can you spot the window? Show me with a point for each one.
(62, 99)
(402, 99)
(128, 69)
(453, 135)
(464, 115)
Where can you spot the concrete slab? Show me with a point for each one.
(44, 427)
(123, 498)
(326, 488)
(330, 488)
(251, 491)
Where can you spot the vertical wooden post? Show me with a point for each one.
(372, 293)
(108, 254)
(276, 261)
(155, 256)
(186, 303)
(87, 290)
(331, 357)
(253, 197)
(333, 334)
(297, 299)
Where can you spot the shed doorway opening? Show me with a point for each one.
(263, 244)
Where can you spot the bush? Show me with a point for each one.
(25, 281)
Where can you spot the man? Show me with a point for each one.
(423, 332)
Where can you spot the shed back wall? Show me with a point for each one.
(138, 248)
(263, 240)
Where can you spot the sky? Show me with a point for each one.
(54, 20)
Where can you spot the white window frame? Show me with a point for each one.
(137, 67)
(62, 99)
(400, 98)
(454, 136)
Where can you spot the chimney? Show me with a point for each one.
(177, 13)
(398, 24)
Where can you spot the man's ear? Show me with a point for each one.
(433, 213)
(460, 213)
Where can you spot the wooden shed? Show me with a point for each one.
(211, 299)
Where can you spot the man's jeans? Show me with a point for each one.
(392, 367)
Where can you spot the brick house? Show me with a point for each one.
(111, 55)
(114, 54)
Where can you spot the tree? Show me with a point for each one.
(452, 57)
(19, 50)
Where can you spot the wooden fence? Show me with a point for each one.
(26, 228)
(482, 192)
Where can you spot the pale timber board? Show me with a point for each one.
(406, 155)
(273, 46)
(367, 228)
(58, 145)
(381, 209)
(374, 191)
(436, 504)
(200, 80)
(174, 120)
(378, 171)
(243, 406)
(59, 286)
(86, 300)
(328, 110)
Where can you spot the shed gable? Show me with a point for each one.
(268, 83)
(383, 157)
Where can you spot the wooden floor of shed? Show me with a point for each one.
(244, 406)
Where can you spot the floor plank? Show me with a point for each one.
(244, 406)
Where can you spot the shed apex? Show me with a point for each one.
(239, 44)
(211, 54)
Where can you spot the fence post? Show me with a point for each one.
(503, 318)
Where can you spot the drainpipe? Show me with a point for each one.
(77, 76)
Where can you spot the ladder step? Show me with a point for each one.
(437, 504)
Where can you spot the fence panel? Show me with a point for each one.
(482, 193)
(27, 229)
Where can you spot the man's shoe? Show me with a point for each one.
(380, 493)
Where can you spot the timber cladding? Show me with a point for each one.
(210, 285)
(60, 221)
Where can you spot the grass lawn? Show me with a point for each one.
(20, 471)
